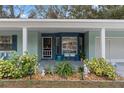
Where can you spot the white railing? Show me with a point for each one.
(5, 54)
(47, 53)
(115, 60)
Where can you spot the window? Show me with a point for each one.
(69, 46)
(5, 42)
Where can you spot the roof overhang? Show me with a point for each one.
(62, 23)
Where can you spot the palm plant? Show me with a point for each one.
(64, 69)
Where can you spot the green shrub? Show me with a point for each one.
(80, 69)
(24, 64)
(18, 66)
(49, 70)
(14, 59)
(64, 69)
(82, 55)
(17, 73)
(28, 64)
(8, 70)
(5, 69)
(101, 68)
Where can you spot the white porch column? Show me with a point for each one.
(24, 40)
(102, 36)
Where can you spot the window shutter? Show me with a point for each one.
(14, 42)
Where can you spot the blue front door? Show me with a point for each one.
(63, 46)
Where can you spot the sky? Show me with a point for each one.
(26, 8)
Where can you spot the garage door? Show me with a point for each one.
(114, 49)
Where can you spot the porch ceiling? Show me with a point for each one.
(54, 30)
(10, 29)
(81, 30)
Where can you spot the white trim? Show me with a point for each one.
(61, 20)
(62, 23)
(51, 47)
(102, 37)
(115, 60)
(109, 37)
(24, 40)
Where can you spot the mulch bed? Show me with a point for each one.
(53, 77)
(76, 76)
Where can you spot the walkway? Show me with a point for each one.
(120, 69)
(53, 63)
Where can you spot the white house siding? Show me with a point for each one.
(114, 45)
(32, 40)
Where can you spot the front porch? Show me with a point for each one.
(64, 45)
(95, 38)
(54, 41)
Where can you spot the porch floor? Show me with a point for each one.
(53, 63)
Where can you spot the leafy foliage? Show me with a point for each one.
(28, 64)
(82, 55)
(101, 68)
(63, 11)
(18, 66)
(64, 69)
(79, 12)
(80, 69)
(8, 70)
(49, 70)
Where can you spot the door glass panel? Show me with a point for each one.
(47, 48)
(69, 46)
(47, 43)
